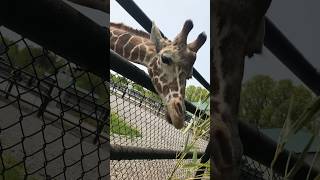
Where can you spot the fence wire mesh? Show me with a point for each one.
(49, 114)
(138, 119)
(253, 170)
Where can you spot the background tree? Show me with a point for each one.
(137, 87)
(34, 60)
(196, 93)
(265, 102)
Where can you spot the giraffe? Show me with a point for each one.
(169, 63)
(238, 31)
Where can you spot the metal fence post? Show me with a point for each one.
(101, 123)
(47, 99)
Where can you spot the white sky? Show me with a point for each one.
(170, 15)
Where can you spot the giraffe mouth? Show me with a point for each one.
(175, 114)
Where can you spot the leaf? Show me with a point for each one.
(307, 115)
(194, 156)
(300, 161)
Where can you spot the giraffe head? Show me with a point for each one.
(171, 67)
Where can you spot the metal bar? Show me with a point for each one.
(60, 28)
(47, 99)
(264, 154)
(200, 79)
(8, 91)
(205, 158)
(133, 9)
(285, 51)
(118, 152)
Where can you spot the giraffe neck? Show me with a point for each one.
(237, 34)
(227, 77)
(132, 44)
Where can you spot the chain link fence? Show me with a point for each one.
(51, 112)
(253, 170)
(138, 120)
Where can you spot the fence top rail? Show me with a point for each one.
(289, 55)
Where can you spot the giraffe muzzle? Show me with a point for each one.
(176, 113)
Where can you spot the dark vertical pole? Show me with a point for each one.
(9, 89)
(47, 99)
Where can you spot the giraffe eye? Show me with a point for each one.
(166, 60)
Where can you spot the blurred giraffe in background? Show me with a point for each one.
(238, 31)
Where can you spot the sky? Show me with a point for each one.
(169, 16)
(298, 21)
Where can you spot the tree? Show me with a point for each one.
(195, 94)
(137, 87)
(265, 102)
(26, 58)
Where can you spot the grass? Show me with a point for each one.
(290, 128)
(15, 173)
(198, 129)
(119, 126)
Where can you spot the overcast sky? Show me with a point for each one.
(170, 15)
(299, 21)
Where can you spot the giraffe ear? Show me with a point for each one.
(156, 37)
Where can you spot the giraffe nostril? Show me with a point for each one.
(178, 108)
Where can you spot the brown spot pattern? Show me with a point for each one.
(122, 40)
(175, 95)
(129, 47)
(142, 52)
(135, 54)
(156, 84)
(165, 90)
